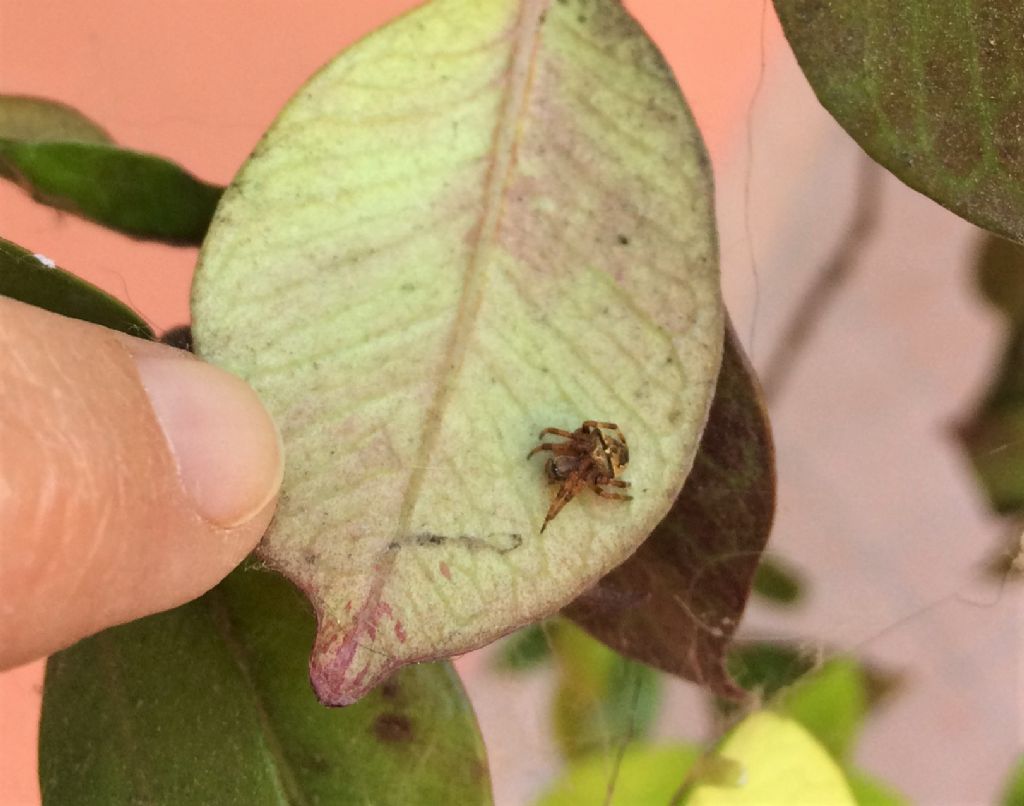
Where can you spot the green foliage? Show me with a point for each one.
(933, 90)
(830, 702)
(765, 667)
(602, 700)
(869, 791)
(647, 775)
(1013, 795)
(33, 279)
(778, 582)
(210, 703)
(525, 649)
(62, 159)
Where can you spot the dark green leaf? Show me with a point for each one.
(34, 279)
(765, 667)
(676, 603)
(932, 89)
(525, 649)
(768, 667)
(65, 160)
(994, 434)
(777, 581)
(211, 703)
(138, 194)
(603, 700)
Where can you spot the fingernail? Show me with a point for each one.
(227, 448)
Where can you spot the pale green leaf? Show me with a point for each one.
(488, 218)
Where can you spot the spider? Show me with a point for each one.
(590, 458)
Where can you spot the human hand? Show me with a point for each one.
(133, 478)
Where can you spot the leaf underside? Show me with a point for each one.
(934, 91)
(676, 603)
(486, 219)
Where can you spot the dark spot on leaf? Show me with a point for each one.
(624, 240)
(390, 689)
(393, 728)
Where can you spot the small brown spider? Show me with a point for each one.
(590, 458)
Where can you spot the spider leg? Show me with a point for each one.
(606, 494)
(556, 431)
(615, 483)
(544, 446)
(599, 424)
(554, 447)
(563, 497)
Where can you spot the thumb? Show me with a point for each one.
(133, 477)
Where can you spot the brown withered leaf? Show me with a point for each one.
(675, 604)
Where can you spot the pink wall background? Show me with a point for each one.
(875, 503)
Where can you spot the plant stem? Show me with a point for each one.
(831, 278)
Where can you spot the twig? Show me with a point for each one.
(830, 280)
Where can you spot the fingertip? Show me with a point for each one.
(226, 446)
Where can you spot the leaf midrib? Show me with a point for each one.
(507, 130)
(277, 761)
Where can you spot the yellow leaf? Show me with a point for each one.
(780, 763)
